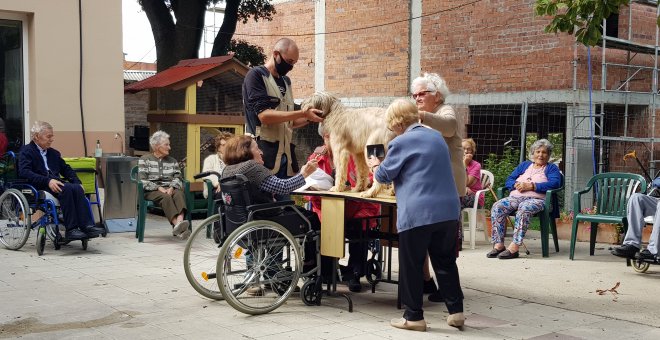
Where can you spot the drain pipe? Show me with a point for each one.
(80, 83)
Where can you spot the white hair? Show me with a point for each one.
(39, 127)
(433, 82)
(158, 137)
(541, 143)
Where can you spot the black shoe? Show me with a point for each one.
(430, 287)
(354, 285)
(91, 231)
(645, 255)
(506, 255)
(494, 253)
(436, 297)
(627, 251)
(75, 234)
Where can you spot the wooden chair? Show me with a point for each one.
(547, 222)
(612, 191)
(487, 180)
(143, 204)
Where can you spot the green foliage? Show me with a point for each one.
(501, 166)
(250, 55)
(584, 18)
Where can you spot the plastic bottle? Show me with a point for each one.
(98, 152)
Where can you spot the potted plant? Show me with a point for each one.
(607, 232)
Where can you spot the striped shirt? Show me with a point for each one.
(156, 172)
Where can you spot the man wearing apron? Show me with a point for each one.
(269, 109)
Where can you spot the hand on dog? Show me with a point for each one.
(309, 168)
(314, 115)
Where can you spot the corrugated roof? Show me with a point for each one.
(137, 75)
(185, 73)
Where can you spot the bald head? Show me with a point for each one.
(286, 45)
(285, 54)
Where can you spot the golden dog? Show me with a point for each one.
(351, 130)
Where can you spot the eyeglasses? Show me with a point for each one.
(420, 94)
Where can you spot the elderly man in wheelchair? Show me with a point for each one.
(42, 167)
(260, 261)
(642, 210)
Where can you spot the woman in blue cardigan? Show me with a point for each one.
(428, 209)
(528, 184)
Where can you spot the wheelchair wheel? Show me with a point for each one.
(41, 240)
(200, 258)
(14, 219)
(311, 292)
(258, 267)
(374, 271)
(639, 266)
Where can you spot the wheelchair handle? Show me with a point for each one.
(207, 173)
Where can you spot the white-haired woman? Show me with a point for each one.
(417, 161)
(429, 92)
(528, 184)
(163, 184)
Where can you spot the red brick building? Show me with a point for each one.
(510, 80)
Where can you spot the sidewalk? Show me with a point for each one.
(120, 289)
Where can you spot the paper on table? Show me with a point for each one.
(318, 180)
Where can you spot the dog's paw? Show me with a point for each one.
(339, 188)
(368, 194)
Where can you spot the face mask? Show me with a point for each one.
(283, 67)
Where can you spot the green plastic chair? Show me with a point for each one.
(202, 205)
(547, 222)
(85, 168)
(143, 204)
(612, 191)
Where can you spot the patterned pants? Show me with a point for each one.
(525, 207)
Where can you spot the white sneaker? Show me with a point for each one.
(456, 320)
(184, 235)
(180, 227)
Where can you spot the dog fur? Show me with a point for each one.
(351, 130)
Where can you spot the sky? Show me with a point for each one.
(139, 41)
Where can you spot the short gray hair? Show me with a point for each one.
(39, 127)
(541, 143)
(158, 137)
(433, 82)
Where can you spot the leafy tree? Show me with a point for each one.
(177, 26)
(584, 18)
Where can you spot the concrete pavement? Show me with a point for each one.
(120, 289)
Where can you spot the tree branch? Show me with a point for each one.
(162, 27)
(227, 29)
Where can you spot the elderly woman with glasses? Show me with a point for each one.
(163, 183)
(528, 184)
(429, 92)
(428, 210)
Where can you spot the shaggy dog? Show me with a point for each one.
(351, 130)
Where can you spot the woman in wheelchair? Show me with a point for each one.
(243, 156)
(43, 168)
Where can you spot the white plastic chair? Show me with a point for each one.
(487, 180)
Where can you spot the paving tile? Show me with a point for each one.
(555, 336)
(479, 321)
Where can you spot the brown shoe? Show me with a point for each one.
(456, 320)
(419, 325)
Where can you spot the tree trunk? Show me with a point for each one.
(227, 29)
(162, 27)
(189, 28)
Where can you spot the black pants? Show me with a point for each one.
(439, 240)
(75, 207)
(358, 246)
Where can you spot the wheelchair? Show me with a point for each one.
(261, 260)
(19, 201)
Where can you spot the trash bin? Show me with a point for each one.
(120, 203)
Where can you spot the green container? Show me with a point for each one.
(85, 168)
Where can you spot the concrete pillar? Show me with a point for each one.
(579, 153)
(319, 45)
(415, 40)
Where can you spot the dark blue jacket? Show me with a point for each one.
(31, 167)
(554, 182)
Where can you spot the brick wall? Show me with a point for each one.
(135, 112)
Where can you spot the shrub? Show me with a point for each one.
(501, 166)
